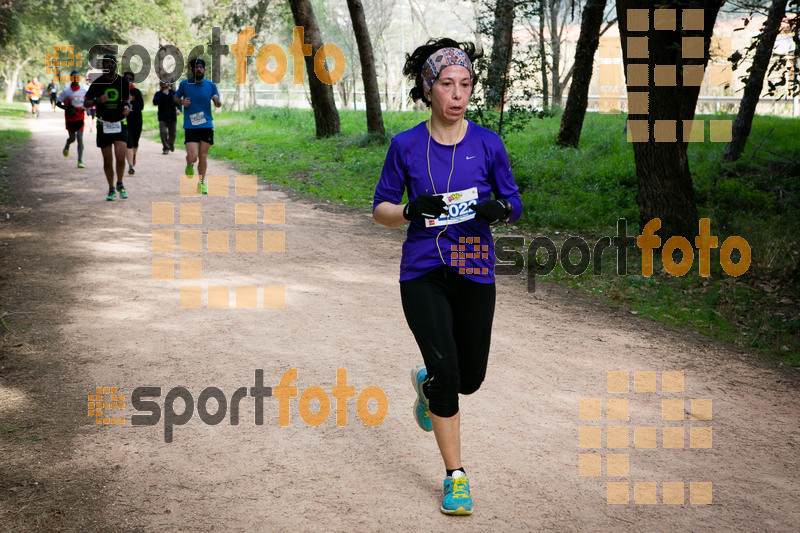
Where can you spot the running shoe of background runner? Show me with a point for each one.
(422, 412)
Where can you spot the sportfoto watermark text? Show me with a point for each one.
(509, 261)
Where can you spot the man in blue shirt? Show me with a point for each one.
(196, 95)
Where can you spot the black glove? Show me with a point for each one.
(425, 206)
(492, 210)
(71, 111)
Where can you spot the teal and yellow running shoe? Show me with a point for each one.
(422, 413)
(121, 190)
(456, 499)
(112, 194)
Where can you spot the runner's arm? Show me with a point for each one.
(389, 214)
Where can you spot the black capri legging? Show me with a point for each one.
(134, 132)
(451, 318)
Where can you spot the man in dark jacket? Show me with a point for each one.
(168, 111)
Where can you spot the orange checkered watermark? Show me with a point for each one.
(605, 429)
(184, 220)
(63, 55)
(103, 399)
(643, 74)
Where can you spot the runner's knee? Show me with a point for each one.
(470, 385)
(442, 387)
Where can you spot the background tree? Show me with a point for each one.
(542, 55)
(662, 168)
(34, 26)
(502, 49)
(755, 81)
(326, 117)
(369, 77)
(572, 120)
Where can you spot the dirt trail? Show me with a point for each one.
(82, 268)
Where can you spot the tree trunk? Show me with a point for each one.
(238, 98)
(12, 83)
(543, 54)
(755, 81)
(502, 45)
(368, 74)
(572, 119)
(478, 36)
(662, 168)
(796, 52)
(325, 115)
(555, 47)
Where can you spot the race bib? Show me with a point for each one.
(457, 208)
(197, 118)
(77, 101)
(112, 127)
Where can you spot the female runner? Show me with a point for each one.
(459, 182)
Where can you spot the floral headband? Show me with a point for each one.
(441, 59)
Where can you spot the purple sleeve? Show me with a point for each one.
(391, 186)
(502, 180)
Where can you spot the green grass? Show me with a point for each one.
(278, 145)
(583, 192)
(13, 136)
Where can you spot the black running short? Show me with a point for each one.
(195, 135)
(106, 139)
(75, 125)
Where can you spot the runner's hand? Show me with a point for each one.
(425, 206)
(492, 211)
(103, 98)
(187, 102)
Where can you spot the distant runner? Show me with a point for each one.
(34, 91)
(196, 95)
(52, 88)
(110, 94)
(134, 122)
(71, 101)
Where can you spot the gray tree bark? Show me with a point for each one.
(572, 120)
(755, 82)
(368, 74)
(326, 116)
